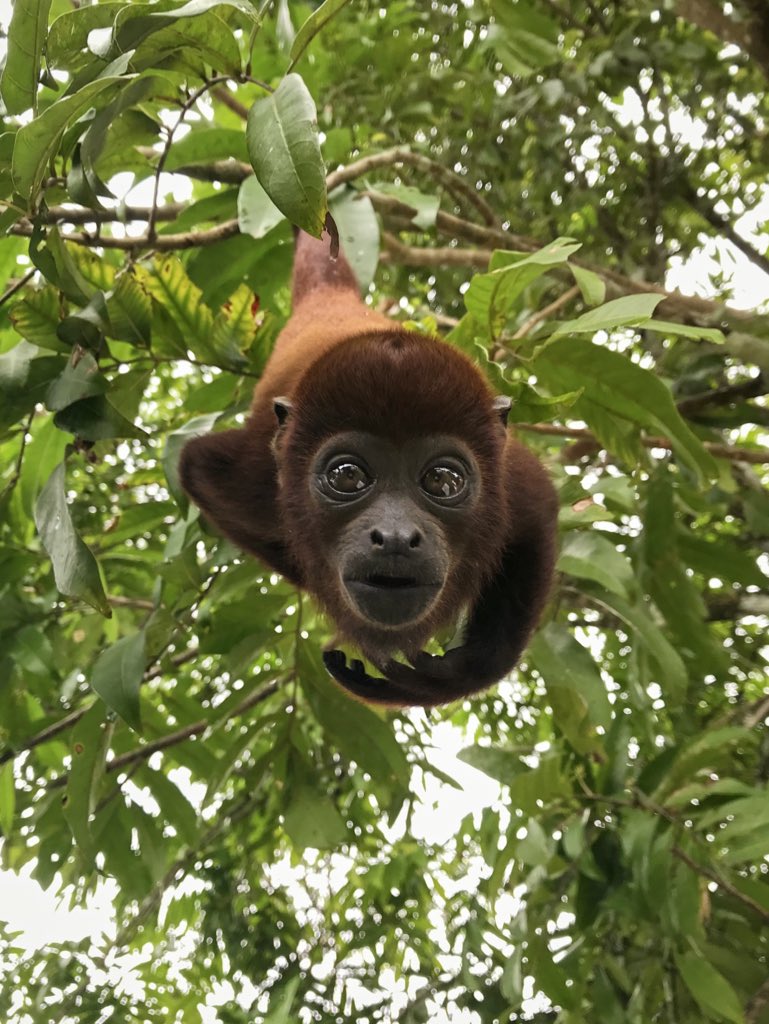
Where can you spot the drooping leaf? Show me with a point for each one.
(282, 138)
(257, 214)
(313, 25)
(117, 677)
(25, 374)
(90, 742)
(81, 379)
(74, 567)
(358, 233)
(26, 36)
(96, 419)
(711, 991)
(37, 141)
(313, 822)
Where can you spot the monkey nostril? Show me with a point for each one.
(377, 538)
(415, 539)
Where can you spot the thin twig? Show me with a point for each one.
(170, 132)
(542, 314)
(11, 290)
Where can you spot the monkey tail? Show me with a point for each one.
(316, 267)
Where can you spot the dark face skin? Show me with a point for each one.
(395, 516)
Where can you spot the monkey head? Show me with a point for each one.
(389, 515)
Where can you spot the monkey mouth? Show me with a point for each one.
(378, 579)
(389, 600)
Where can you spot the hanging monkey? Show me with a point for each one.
(376, 473)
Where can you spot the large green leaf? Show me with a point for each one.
(593, 557)
(564, 664)
(614, 386)
(25, 375)
(38, 141)
(313, 25)
(117, 677)
(74, 567)
(182, 300)
(711, 991)
(313, 822)
(627, 311)
(90, 743)
(491, 297)
(282, 138)
(26, 36)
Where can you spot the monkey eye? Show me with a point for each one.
(348, 478)
(443, 482)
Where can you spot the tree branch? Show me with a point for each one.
(755, 456)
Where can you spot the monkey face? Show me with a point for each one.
(394, 516)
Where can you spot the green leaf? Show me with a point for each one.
(613, 386)
(592, 287)
(96, 419)
(710, 990)
(536, 848)
(81, 379)
(313, 822)
(491, 297)
(183, 300)
(36, 318)
(66, 46)
(133, 24)
(282, 138)
(7, 799)
(313, 25)
(424, 207)
(24, 378)
(564, 664)
(281, 1000)
(38, 141)
(257, 214)
(26, 36)
(203, 145)
(673, 676)
(627, 311)
(358, 233)
(129, 311)
(693, 331)
(44, 452)
(173, 449)
(74, 567)
(90, 742)
(593, 557)
(117, 677)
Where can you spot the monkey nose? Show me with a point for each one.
(396, 541)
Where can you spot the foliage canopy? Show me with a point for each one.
(523, 177)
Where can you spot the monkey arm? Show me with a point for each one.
(232, 478)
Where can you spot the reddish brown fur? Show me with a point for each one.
(344, 367)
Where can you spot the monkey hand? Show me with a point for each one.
(428, 681)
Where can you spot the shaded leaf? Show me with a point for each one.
(26, 36)
(117, 677)
(74, 567)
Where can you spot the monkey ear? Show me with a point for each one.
(282, 407)
(502, 405)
